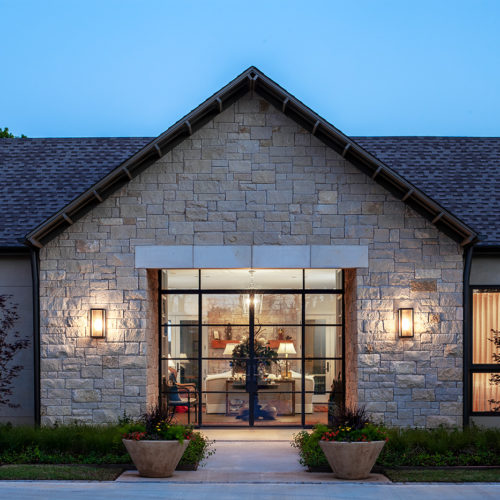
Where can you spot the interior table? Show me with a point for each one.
(281, 393)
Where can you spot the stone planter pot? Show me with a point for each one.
(155, 458)
(351, 460)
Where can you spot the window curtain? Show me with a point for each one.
(483, 391)
(486, 316)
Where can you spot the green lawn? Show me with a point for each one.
(443, 475)
(58, 472)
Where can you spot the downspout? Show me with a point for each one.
(467, 333)
(35, 278)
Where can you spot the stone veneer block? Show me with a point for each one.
(162, 256)
(222, 257)
(339, 256)
(281, 256)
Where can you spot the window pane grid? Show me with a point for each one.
(317, 310)
(484, 372)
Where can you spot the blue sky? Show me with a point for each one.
(132, 68)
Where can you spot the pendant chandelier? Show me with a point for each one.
(257, 299)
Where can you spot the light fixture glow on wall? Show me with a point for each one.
(98, 323)
(405, 322)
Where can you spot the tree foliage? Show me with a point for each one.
(495, 378)
(5, 134)
(10, 344)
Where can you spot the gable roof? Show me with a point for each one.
(460, 173)
(39, 177)
(115, 169)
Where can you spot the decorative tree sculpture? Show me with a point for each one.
(264, 355)
(10, 344)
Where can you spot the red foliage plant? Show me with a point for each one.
(10, 344)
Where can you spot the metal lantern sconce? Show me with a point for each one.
(405, 322)
(98, 323)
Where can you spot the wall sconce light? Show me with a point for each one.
(405, 322)
(98, 323)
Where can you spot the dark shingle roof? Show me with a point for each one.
(38, 177)
(462, 174)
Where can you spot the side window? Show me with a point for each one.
(486, 350)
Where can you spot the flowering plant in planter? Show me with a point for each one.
(155, 444)
(157, 426)
(348, 434)
(163, 431)
(135, 435)
(352, 444)
(154, 425)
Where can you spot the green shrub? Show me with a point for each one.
(442, 447)
(307, 443)
(64, 439)
(198, 450)
(83, 444)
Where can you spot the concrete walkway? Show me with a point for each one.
(249, 456)
(58, 490)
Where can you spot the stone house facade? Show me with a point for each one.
(252, 178)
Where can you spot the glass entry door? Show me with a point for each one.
(268, 353)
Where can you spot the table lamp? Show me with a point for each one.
(286, 348)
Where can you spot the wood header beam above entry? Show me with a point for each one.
(251, 256)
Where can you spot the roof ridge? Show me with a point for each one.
(155, 136)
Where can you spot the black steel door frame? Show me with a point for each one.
(251, 388)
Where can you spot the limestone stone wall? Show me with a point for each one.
(251, 177)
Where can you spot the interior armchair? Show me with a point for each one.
(178, 395)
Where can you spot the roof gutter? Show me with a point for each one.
(254, 81)
(484, 250)
(20, 250)
(35, 276)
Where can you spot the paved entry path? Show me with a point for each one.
(248, 462)
(249, 456)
